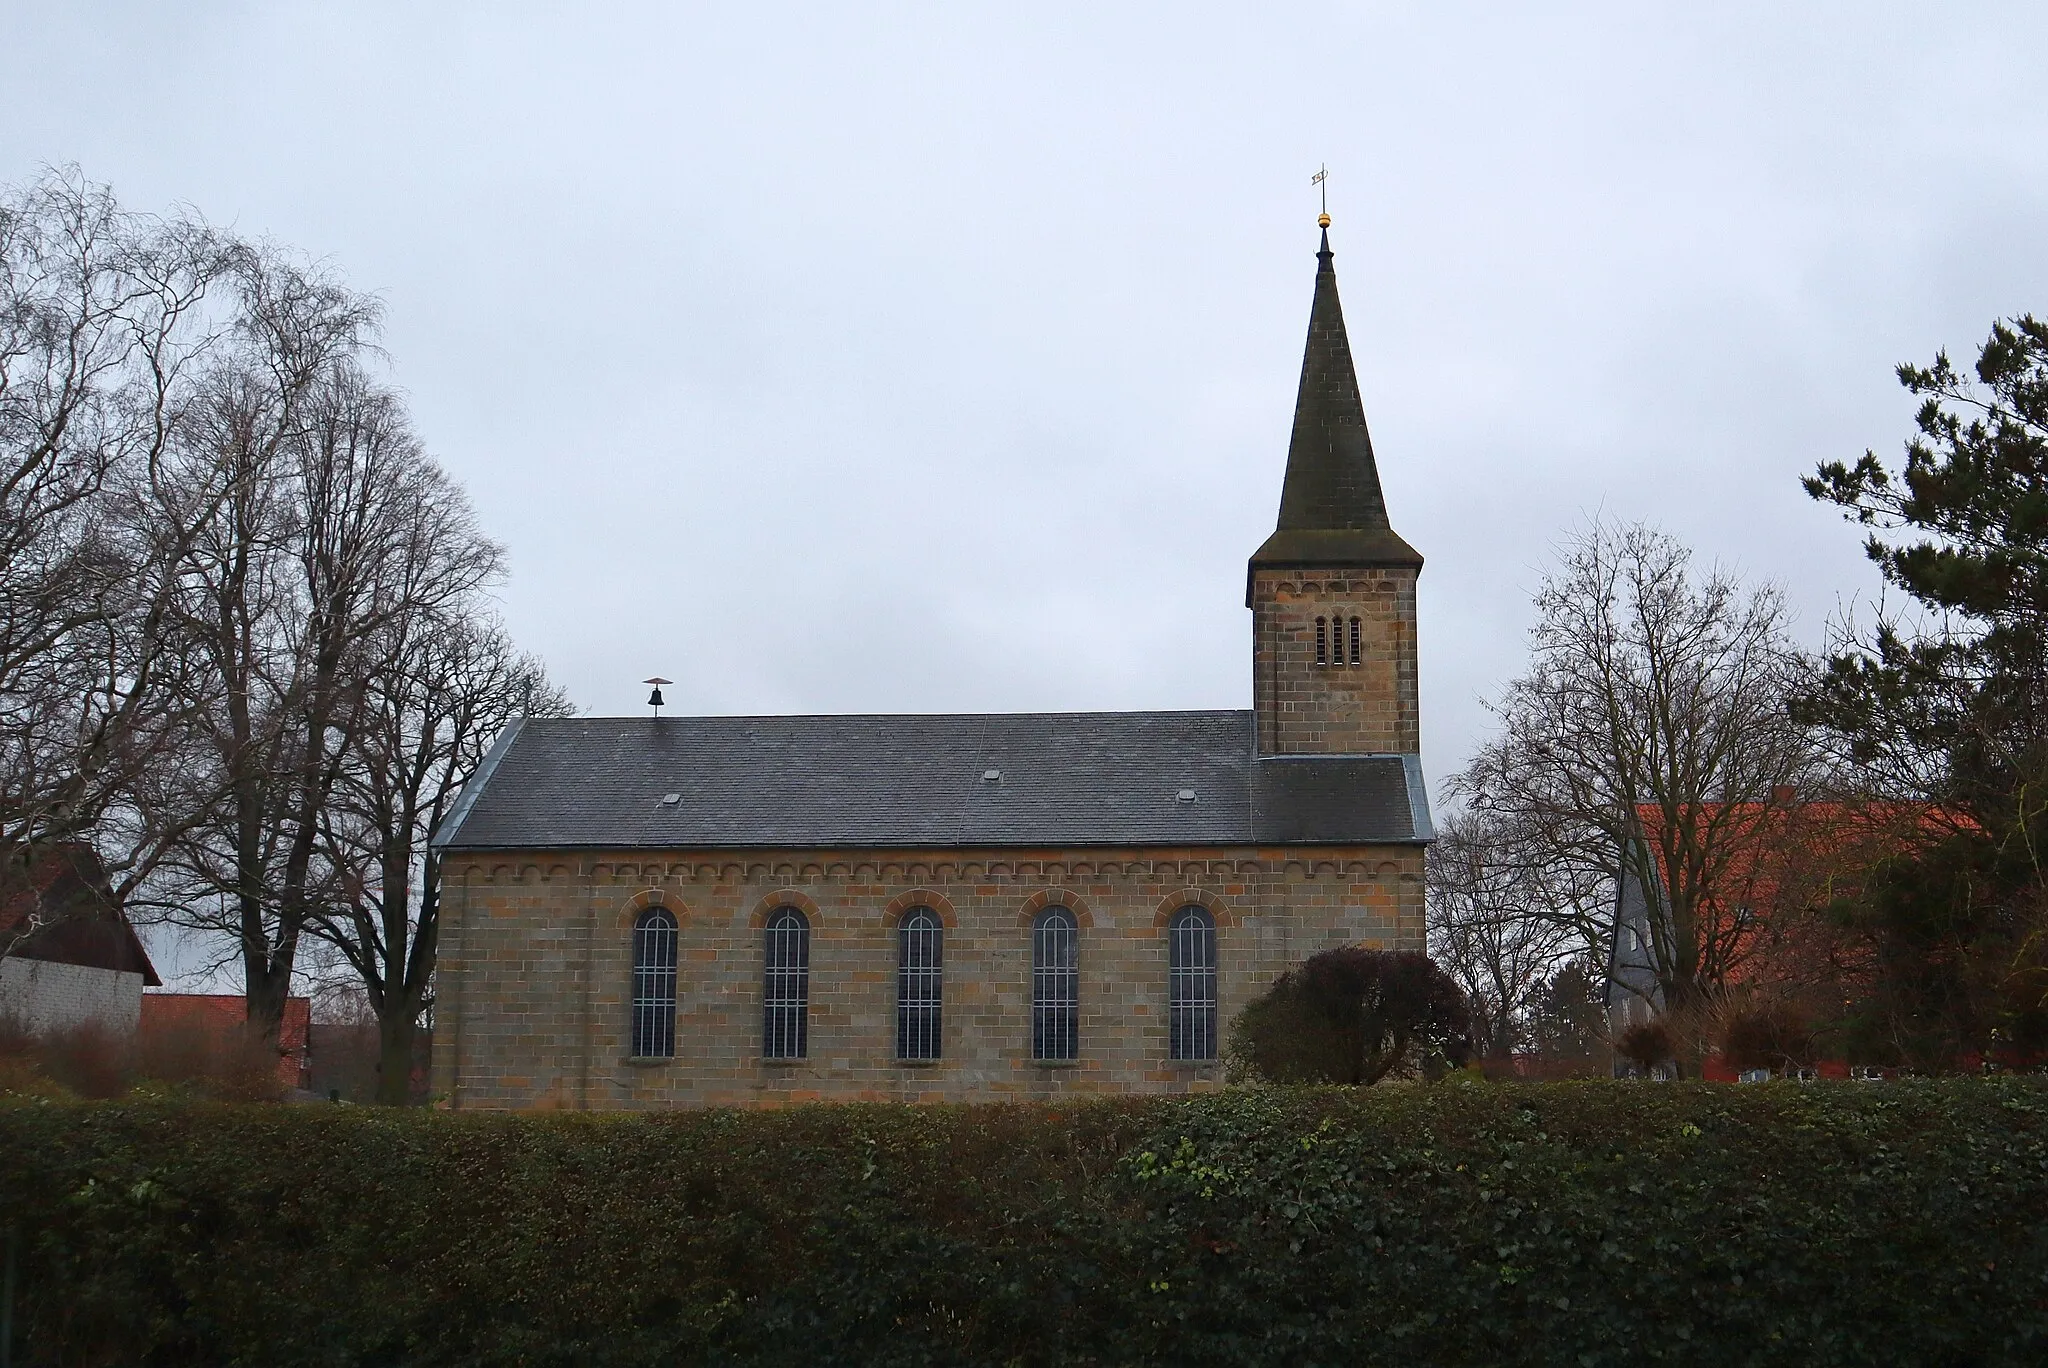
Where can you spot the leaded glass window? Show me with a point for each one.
(919, 984)
(1055, 986)
(786, 986)
(1191, 983)
(654, 985)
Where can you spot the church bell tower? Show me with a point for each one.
(1332, 591)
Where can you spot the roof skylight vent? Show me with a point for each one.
(671, 799)
(1186, 795)
(991, 776)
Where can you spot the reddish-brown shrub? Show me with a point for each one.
(1767, 1035)
(1647, 1043)
(230, 1065)
(245, 1070)
(88, 1059)
(17, 1042)
(175, 1052)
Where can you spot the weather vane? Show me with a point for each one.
(1321, 181)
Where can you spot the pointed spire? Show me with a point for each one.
(1331, 509)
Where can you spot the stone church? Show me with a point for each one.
(658, 911)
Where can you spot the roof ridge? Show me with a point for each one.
(891, 716)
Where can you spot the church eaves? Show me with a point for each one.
(1332, 512)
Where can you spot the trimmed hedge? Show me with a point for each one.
(1457, 1223)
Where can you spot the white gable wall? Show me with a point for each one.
(42, 996)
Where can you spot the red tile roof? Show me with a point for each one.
(1786, 860)
(68, 907)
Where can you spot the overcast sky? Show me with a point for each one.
(851, 358)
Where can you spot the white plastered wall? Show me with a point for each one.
(41, 996)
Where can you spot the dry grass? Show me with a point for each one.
(89, 1061)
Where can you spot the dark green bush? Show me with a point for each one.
(1352, 1015)
(1457, 1224)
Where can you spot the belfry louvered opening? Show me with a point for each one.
(1055, 986)
(919, 983)
(1191, 984)
(786, 985)
(654, 985)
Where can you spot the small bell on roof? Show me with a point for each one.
(654, 699)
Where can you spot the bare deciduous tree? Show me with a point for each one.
(446, 685)
(1502, 919)
(108, 320)
(340, 532)
(1650, 735)
(244, 640)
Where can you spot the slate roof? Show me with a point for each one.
(917, 781)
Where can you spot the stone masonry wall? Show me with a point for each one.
(536, 966)
(1335, 708)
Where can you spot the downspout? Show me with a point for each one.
(457, 987)
(587, 1044)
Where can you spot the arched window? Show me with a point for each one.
(786, 986)
(1357, 656)
(1191, 983)
(1055, 986)
(654, 985)
(1323, 642)
(919, 986)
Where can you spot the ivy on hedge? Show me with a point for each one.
(1458, 1223)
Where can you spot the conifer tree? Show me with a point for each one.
(1950, 708)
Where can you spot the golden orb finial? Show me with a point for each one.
(1323, 221)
